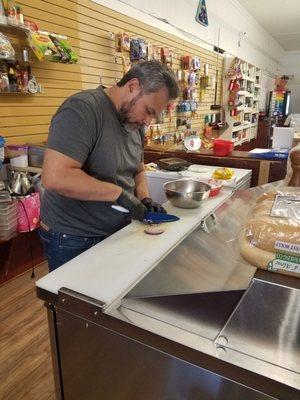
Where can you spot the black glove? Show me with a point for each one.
(132, 204)
(152, 206)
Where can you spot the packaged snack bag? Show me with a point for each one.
(43, 47)
(64, 48)
(122, 41)
(6, 50)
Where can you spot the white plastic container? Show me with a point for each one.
(20, 161)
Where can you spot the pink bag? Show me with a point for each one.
(29, 212)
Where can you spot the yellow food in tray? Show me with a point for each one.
(223, 173)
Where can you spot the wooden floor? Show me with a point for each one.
(25, 360)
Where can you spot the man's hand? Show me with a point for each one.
(133, 204)
(152, 206)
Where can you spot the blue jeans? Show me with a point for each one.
(62, 247)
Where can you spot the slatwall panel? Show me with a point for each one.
(26, 118)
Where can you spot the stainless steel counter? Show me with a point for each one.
(202, 324)
(208, 298)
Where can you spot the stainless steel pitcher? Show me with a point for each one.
(20, 183)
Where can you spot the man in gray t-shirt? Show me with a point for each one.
(94, 159)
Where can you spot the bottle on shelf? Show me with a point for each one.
(12, 18)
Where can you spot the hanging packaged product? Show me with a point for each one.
(194, 107)
(63, 46)
(25, 76)
(170, 108)
(160, 118)
(204, 84)
(138, 50)
(7, 52)
(155, 52)
(235, 69)
(126, 64)
(122, 42)
(186, 62)
(166, 56)
(14, 76)
(43, 47)
(192, 78)
(4, 81)
(196, 63)
(183, 78)
(32, 85)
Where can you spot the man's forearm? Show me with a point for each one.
(141, 185)
(75, 183)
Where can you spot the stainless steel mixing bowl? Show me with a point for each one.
(186, 193)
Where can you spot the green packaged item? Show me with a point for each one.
(62, 44)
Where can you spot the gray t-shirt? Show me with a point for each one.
(86, 128)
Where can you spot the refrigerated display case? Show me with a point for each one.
(174, 317)
(279, 103)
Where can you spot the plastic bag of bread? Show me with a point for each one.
(270, 238)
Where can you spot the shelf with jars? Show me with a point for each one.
(15, 69)
(242, 89)
(21, 43)
(15, 56)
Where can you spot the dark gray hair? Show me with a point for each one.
(152, 76)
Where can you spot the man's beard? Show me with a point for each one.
(124, 115)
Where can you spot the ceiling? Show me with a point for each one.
(280, 18)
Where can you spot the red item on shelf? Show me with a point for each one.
(222, 147)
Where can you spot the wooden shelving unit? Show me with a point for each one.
(242, 114)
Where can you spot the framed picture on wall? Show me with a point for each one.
(201, 15)
(2, 13)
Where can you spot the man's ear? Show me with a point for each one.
(133, 85)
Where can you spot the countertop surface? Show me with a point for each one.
(235, 154)
(107, 271)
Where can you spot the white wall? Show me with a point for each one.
(256, 46)
(267, 83)
(291, 66)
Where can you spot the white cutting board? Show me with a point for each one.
(107, 271)
(204, 172)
